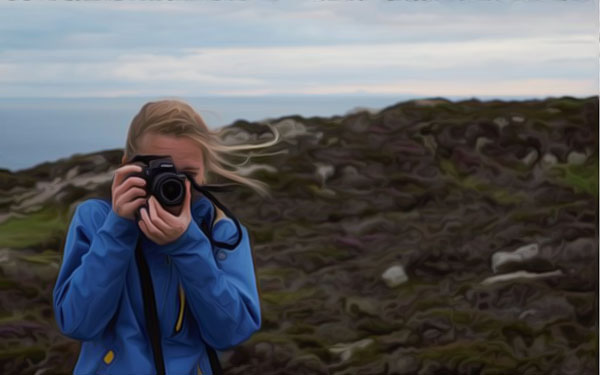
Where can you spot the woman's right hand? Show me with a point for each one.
(128, 193)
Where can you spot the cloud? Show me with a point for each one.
(212, 47)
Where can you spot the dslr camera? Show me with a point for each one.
(162, 179)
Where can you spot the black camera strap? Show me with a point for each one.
(150, 312)
(151, 315)
(150, 309)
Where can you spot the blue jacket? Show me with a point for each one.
(203, 294)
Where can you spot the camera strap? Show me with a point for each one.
(205, 190)
(151, 315)
(150, 309)
(150, 312)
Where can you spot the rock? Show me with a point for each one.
(358, 123)
(362, 305)
(519, 275)
(264, 349)
(235, 137)
(501, 122)
(336, 332)
(394, 276)
(481, 141)
(289, 128)
(549, 159)
(429, 102)
(324, 171)
(576, 158)
(360, 109)
(522, 253)
(352, 178)
(404, 364)
(530, 158)
(345, 350)
(72, 173)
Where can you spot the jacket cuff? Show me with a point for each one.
(120, 227)
(192, 234)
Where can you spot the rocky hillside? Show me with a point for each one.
(431, 237)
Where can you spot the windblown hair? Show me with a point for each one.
(178, 118)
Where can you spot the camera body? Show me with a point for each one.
(162, 179)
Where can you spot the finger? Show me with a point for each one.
(144, 229)
(188, 197)
(122, 172)
(132, 194)
(154, 208)
(126, 186)
(149, 224)
(133, 205)
(131, 181)
(167, 217)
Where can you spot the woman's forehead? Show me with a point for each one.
(184, 151)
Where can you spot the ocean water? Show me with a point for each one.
(33, 131)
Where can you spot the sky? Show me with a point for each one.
(275, 47)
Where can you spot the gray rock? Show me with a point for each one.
(549, 159)
(403, 363)
(520, 275)
(345, 350)
(521, 254)
(324, 171)
(501, 122)
(394, 276)
(530, 158)
(576, 158)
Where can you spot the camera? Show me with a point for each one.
(162, 179)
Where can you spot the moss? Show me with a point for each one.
(581, 178)
(497, 355)
(270, 337)
(9, 180)
(499, 194)
(278, 272)
(378, 326)
(368, 354)
(45, 258)
(45, 228)
(567, 104)
(287, 297)
(307, 341)
(300, 328)
(33, 353)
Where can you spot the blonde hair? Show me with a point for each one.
(178, 118)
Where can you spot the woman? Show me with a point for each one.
(206, 296)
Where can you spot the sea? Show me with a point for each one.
(36, 130)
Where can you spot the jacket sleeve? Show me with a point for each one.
(98, 249)
(222, 294)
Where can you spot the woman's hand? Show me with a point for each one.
(128, 193)
(160, 225)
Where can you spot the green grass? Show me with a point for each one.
(471, 182)
(287, 297)
(581, 178)
(45, 228)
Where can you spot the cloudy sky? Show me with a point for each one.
(311, 47)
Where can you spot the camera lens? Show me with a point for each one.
(170, 191)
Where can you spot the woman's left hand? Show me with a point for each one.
(160, 225)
